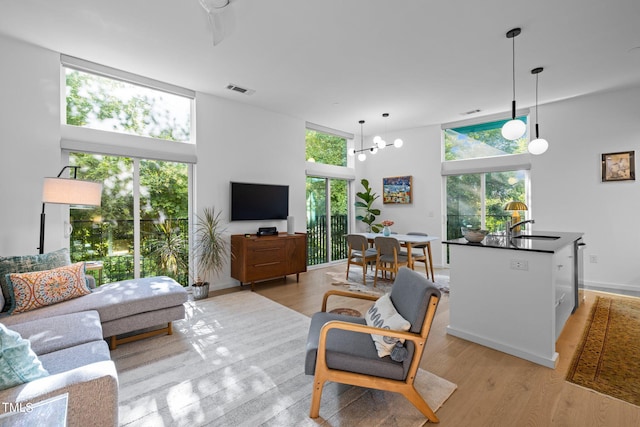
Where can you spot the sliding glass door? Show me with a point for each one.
(327, 219)
(142, 227)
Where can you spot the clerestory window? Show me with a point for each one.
(96, 100)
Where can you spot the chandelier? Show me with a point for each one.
(378, 143)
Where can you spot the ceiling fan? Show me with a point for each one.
(220, 16)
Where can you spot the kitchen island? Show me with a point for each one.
(514, 294)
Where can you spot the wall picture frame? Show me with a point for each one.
(618, 166)
(397, 190)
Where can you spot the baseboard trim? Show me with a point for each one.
(514, 351)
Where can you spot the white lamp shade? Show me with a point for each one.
(398, 143)
(377, 139)
(374, 150)
(351, 151)
(71, 192)
(513, 129)
(538, 146)
(382, 143)
(362, 157)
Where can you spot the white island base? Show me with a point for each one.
(512, 300)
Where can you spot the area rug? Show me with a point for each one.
(354, 283)
(606, 360)
(238, 360)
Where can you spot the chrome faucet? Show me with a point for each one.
(510, 227)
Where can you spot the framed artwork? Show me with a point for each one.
(397, 190)
(618, 166)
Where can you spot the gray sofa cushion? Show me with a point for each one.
(55, 333)
(115, 300)
(75, 357)
(362, 356)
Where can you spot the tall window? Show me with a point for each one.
(142, 227)
(483, 173)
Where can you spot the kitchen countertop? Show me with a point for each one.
(498, 241)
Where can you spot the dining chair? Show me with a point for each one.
(359, 253)
(389, 256)
(341, 349)
(424, 257)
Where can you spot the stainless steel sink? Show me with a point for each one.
(535, 237)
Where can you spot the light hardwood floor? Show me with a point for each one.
(494, 389)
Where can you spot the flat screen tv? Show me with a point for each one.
(254, 202)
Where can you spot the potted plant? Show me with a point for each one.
(170, 249)
(367, 197)
(210, 250)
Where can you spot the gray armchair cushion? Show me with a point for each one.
(410, 295)
(350, 351)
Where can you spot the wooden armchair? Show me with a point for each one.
(340, 348)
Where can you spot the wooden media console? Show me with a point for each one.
(256, 258)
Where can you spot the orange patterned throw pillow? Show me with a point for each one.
(41, 288)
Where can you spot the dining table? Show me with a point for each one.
(408, 241)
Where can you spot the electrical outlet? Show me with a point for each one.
(593, 259)
(519, 264)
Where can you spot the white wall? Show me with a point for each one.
(566, 182)
(420, 158)
(237, 142)
(29, 145)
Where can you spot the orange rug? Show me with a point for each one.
(606, 360)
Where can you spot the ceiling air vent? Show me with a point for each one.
(239, 89)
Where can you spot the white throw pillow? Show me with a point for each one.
(383, 314)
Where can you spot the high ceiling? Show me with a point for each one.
(334, 62)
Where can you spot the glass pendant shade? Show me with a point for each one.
(513, 129)
(377, 139)
(362, 157)
(538, 146)
(351, 151)
(382, 143)
(398, 143)
(374, 150)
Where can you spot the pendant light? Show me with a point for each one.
(514, 128)
(538, 145)
(361, 156)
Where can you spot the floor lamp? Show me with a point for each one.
(68, 191)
